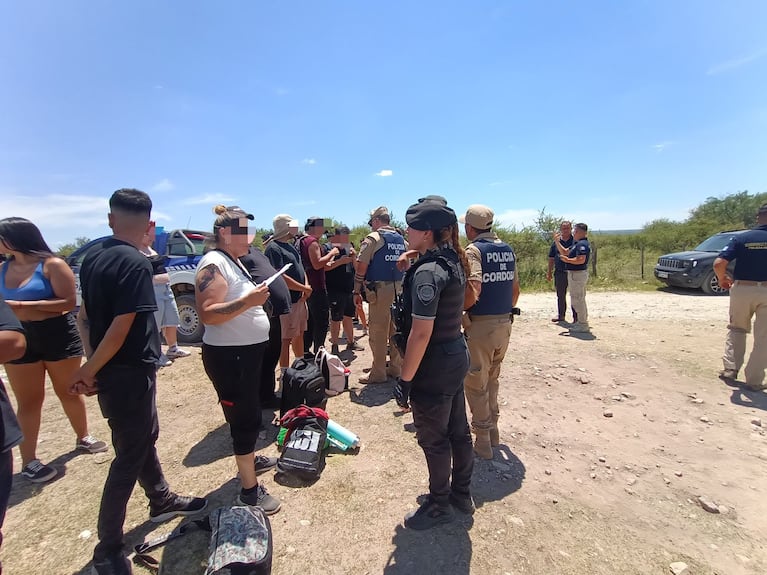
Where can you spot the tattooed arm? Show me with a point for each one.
(211, 297)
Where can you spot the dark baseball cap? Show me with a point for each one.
(429, 214)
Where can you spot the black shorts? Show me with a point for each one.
(341, 305)
(51, 339)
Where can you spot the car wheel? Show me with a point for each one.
(190, 329)
(711, 285)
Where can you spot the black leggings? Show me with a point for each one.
(235, 372)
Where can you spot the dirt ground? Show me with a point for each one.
(607, 443)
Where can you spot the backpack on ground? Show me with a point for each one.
(334, 371)
(240, 541)
(302, 453)
(302, 383)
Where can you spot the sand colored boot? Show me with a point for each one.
(482, 446)
(495, 437)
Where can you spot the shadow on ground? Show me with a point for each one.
(445, 549)
(23, 489)
(373, 394)
(217, 444)
(500, 477)
(745, 397)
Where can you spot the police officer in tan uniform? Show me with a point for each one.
(487, 324)
(377, 274)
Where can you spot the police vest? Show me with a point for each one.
(447, 322)
(383, 265)
(498, 271)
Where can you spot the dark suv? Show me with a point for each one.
(695, 269)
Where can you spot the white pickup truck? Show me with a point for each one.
(183, 248)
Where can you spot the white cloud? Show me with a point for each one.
(61, 218)
(164, 185)
(661, 146)
(516, 218)
(384, 173)
(735, 63)
(281, 91)
(212, 199)
(309, 161)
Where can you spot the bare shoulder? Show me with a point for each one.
(56, 265)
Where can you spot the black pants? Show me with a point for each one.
(439, 415)
(319, 321)
(235, 372)
(127, 401)
(6, 480)
(560, 282)
(270, 361)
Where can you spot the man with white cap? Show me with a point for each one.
(280, 251)
(377, 274)
(488, 322)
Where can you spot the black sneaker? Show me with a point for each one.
(463, 503)
(260, 498)
(428, 515)
(354, 346)
(37, 472)
(114, 565)
(177, 505)
(334, 349)
(90, 444)
(264, 463)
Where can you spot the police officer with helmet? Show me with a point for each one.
(377, 275)
(487, 324)
(436, 360)
(748, 297)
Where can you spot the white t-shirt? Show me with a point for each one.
(247, 328)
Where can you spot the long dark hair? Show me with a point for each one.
(23, 236)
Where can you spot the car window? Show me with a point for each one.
(715, 243)
(182, 249)
(77, 258)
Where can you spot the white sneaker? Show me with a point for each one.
(176, 352)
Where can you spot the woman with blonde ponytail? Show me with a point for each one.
(230, 303)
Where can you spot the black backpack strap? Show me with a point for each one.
(142, 548)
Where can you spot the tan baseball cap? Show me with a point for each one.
(478, 216)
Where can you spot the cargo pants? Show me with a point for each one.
(747, 301)
(380, 329)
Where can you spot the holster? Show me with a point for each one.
(400, 342)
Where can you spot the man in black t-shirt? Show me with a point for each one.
(12, 346)
(339, 278)
(281, 251)
(122, 342)
(260, 268)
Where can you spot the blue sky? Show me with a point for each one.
(614, 113)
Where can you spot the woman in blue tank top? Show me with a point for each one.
(40, 289)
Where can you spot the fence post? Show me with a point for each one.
(642, 252)
(594, 261)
